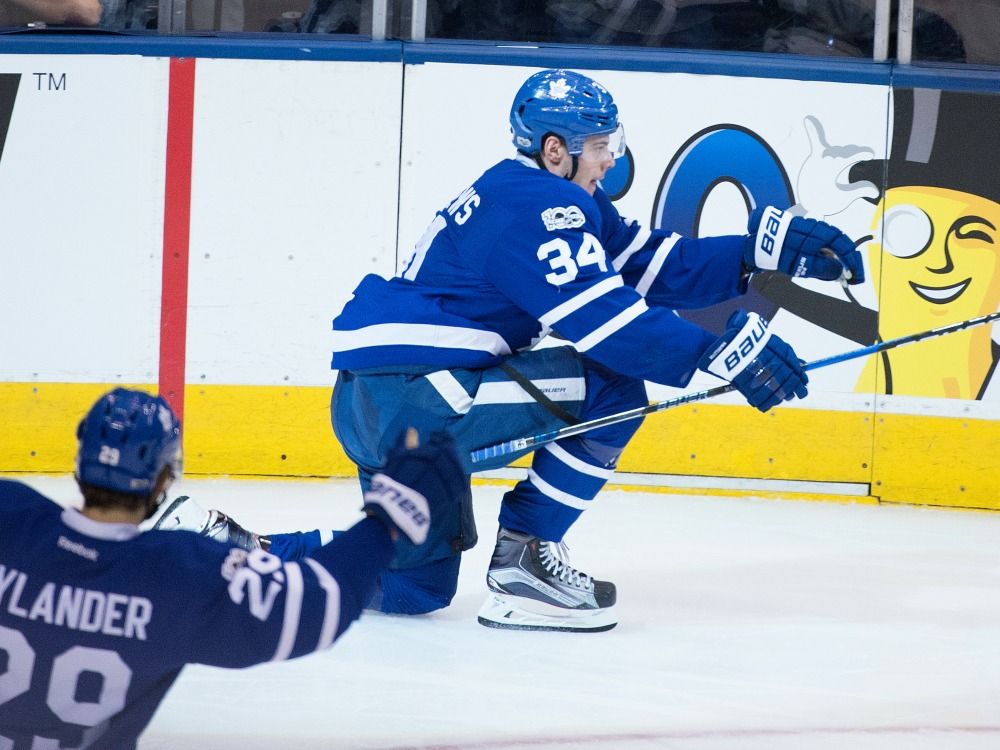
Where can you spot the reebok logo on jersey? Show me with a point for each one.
(569, 217)
(76, 548)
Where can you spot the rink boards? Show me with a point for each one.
(193, 224)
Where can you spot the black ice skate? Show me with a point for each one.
(184, 513)
(533, 588)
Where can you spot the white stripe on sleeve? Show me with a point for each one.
(588, 295)
(618, 322)
(293, 611)
(640, 239)
(656, 264)
(331, 618)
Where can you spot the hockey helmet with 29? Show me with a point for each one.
(568, 104)
(126, 440)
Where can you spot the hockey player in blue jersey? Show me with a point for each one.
(534, 246)
(97, 618)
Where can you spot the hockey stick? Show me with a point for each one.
(520, 444)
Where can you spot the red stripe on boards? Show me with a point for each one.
(176, 233)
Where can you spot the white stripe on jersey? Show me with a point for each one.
(331, 618)
(420, 334)
(656, 264)
(451, 391)
(576, 464)
(633, 247)
(570, 306)
(618, 322)
(556, 494)
(293, 611)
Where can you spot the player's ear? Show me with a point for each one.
(553, 144)
(553, 149)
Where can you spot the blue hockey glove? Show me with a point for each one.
(761, 366)
(419, 493)
(798, 246)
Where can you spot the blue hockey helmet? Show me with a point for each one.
(126, 440)
(566, 103)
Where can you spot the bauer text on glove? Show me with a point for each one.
(796, 246)
(758, 364)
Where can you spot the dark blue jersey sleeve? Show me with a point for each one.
(258, 608)
(669, 270)
(85, 603)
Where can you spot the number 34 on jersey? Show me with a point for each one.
(566, 261)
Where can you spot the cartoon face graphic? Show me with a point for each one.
(938, 262)
(941, 255)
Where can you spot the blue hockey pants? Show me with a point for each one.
(480, 408)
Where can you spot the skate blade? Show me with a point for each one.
(519, 613)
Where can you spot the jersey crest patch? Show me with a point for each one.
(569, 217)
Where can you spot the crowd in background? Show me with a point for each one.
(943, 30)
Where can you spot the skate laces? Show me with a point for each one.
(554, 558)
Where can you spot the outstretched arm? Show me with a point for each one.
(669, 270)
(263, 609)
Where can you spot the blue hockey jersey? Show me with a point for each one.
(522, 252)
(97, 620)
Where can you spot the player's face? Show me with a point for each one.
(593, 162)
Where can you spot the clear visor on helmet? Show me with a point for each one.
(601, 146)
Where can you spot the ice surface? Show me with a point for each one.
(745, 624)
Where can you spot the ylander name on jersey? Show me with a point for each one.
(74, 607)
